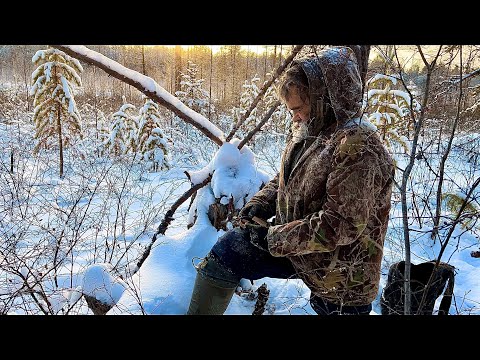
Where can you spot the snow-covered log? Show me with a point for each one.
(147, 86)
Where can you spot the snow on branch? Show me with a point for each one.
(147, 86)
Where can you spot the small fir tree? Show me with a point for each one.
(55, 114)
(191, 92)
(131, 129)
(152, 142)
(280, 120)
(117, 141)
(249, 94)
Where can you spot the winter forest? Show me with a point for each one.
(120, 167)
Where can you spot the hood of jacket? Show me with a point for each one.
(335, 87)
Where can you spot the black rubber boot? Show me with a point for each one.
(214, 288)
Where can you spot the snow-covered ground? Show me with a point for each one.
(58, 235)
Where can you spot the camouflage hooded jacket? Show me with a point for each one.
(331, 199)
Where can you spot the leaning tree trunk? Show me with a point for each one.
(147, 86)
(418, 125)
(263, 90)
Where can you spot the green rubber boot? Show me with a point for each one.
(214, 288)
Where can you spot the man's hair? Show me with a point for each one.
(294, 77)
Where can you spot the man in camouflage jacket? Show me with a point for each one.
(331, 200)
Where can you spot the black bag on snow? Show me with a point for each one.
(393, 295)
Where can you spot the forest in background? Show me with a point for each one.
(224, 73)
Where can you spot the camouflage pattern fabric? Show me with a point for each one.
(331, 199)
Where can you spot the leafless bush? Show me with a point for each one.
(52, 229)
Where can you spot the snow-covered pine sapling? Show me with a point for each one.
(102, 132)
(281, 119)
(249, 94)
(191, 91)
(388, 109)
(56, 116)
(117, 142)
(152, 142)
(131, 131)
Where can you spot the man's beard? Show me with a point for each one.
(299, 131)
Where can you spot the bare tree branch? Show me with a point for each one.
(447, 238)
(145, 84)
(162, 228)
(264, 89)
(406, 174)
(260, 124)
(30, 290)
(443, 161)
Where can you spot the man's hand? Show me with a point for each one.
(257, 228)
(255, 221)
(250, 210)
(242, 221)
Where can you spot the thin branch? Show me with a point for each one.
(162, 228)
(443, 161)
(447, 239)
(422, 55)
(145, 84)
(264, 89)
(260, 124)
(406, 175)
(32, 293)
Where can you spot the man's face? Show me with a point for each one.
(300, 109)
